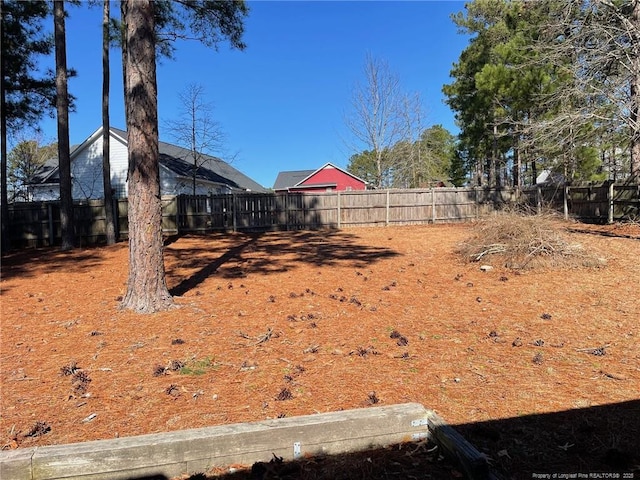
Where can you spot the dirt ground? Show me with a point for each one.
(539, 369)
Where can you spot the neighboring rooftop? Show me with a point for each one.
(288, 179)
(213, 169)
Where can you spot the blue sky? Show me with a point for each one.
(283, 100)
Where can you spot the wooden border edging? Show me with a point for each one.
(197, 450)
(473, 463)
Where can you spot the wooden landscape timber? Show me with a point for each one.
(197, 450)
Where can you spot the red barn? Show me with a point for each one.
(325, 179)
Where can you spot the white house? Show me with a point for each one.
(176, 171)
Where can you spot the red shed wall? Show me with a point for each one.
(333, 175)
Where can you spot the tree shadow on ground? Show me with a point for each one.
(600, 439)
(605, 233)
(210, 268)
(240, 254)
(594, 442)
(149, 477)
(20, 263)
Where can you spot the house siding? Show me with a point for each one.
(172, 185)
(119, 162)
(44, 192)
(86, 169)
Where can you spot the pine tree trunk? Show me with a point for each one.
(62, 106)
(146, 288)
(635, 97)
(110, 229)
(4, 197)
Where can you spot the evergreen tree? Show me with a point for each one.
(25, 95)
(67, 226)
(540, 81)
(110, 222)
(25, 162)
(211, 21)
(363, 165)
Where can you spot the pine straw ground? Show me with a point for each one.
(538, 367)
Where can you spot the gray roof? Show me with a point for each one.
(180, 161)
(289, 179)
(47, 172)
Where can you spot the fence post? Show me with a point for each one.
(386, 220)
(304, 213)
(477, 202)
(611, 205)
(50, 218)
(539, 199)
(209, 207)
(234, 211)
(339, 213)
(116, 217)
(286, 210)
(433, 205)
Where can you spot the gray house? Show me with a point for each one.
(213, 175)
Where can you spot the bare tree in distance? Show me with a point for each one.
(407, 155)
(377, 115)
(195, 129)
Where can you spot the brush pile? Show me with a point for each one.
(520, 242)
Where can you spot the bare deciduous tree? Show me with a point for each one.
(376, 120)
(595, 46)
(196, 130)
(409, 164)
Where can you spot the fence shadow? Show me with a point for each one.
(593, 442)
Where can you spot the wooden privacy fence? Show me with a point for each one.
(38, 224)
(595, 203)
(294, 211)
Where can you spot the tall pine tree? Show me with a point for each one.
(24, 94)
